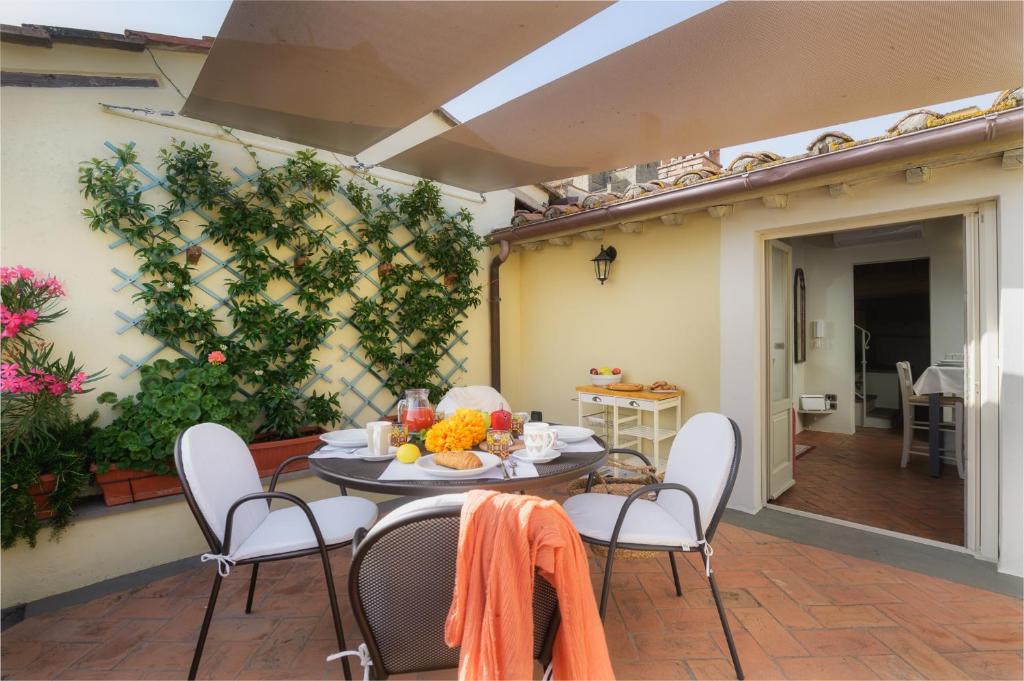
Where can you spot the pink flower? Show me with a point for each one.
(75, 384)
(50, 285)
(216, 357)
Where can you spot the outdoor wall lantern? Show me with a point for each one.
(603, 263)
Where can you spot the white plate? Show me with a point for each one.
(350, 437)
(364, 454)
(560, 445)
(572, 433)
(547, 456)
(426, 463)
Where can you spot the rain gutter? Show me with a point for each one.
(972, 131)
(494, 302)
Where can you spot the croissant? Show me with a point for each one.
(460, 460)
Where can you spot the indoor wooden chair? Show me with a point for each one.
(909, 401)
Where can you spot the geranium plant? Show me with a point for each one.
(172, 396)
(39, 432)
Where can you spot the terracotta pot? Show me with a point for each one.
(193, 254)
(269, 455)
(384, 268)
(41, 493)
(125, 486)
(300, 261)
(451, 279)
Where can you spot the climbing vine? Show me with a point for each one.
(269, 346)
(407, 328)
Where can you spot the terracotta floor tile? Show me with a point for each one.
(121, 640)
(825, 668)
(917, 622)
(163, 656)
(284, 645)
(929, 662)
(850, 616)
(674, 645)
(768, 633)
(890, 667)
(990, 665)
(840, 642)
(782, 607)
(664, 669)
(857, 594)
(990, 635)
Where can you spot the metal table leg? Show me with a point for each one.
(934, 435)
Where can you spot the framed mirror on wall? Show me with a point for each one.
(799, 316)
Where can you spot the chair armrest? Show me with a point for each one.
(657, 487)
(631, 452)
(284, 496)
(619, 450)
(281, 467)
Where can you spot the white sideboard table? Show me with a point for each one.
(622, 414)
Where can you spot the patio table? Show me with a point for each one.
(363, 475)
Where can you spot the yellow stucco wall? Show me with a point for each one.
(45, 133)
(657, 317)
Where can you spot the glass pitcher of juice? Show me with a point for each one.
(415, 411)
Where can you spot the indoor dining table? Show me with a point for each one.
(578, 460)
(936, 381)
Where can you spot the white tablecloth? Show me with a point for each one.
(947, 380)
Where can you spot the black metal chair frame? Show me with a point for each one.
(704, 538)
(217, 547)
(361, 548)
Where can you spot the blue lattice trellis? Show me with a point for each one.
(363, 393)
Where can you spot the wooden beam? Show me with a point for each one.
(55, 80)
(919, 175)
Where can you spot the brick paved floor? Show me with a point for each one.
(797, 612)
(858, 478)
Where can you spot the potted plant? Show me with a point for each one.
(135, 453)
(43, 443)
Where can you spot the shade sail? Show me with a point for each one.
(740, 71)
(345, 75)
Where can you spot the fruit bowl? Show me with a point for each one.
(605, 379)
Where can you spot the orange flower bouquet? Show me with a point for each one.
(464, 429)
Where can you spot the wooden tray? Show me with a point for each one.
(638, 395)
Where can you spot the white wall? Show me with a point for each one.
(874, 202)
(829, 275)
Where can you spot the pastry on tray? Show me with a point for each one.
(625, 387)
(459, 460)
(663, 385)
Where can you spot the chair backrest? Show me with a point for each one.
(705, 457)
(216, 469)
(401, 584)
(481, 397)
(906, 380)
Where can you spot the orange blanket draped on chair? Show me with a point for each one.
(502, 540)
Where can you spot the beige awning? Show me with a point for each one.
(345, 75)
(738, 72)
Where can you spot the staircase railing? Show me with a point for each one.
(864, 338)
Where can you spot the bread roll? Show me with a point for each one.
(459, 460)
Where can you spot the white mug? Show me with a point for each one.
(538, 438)
(378, 438)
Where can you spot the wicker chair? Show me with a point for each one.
(222, 487)
(401, 584)
(699, 477)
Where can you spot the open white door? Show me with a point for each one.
(780, 367)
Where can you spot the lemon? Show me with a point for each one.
(408, 453)
(606, 371)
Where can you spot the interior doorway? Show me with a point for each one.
(859, 307)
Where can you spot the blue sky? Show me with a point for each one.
(618, 26)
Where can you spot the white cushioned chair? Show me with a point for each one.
(684, 512)
(480, 397)
(223, 489)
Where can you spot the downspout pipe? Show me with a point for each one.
(972, 131)
(494, 302)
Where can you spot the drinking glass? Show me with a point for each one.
(399, 434)
(519, 419)
(499, 442)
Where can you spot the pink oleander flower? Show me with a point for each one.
(75, 384)
(216, 357)
(13, 323)
(50, 285)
